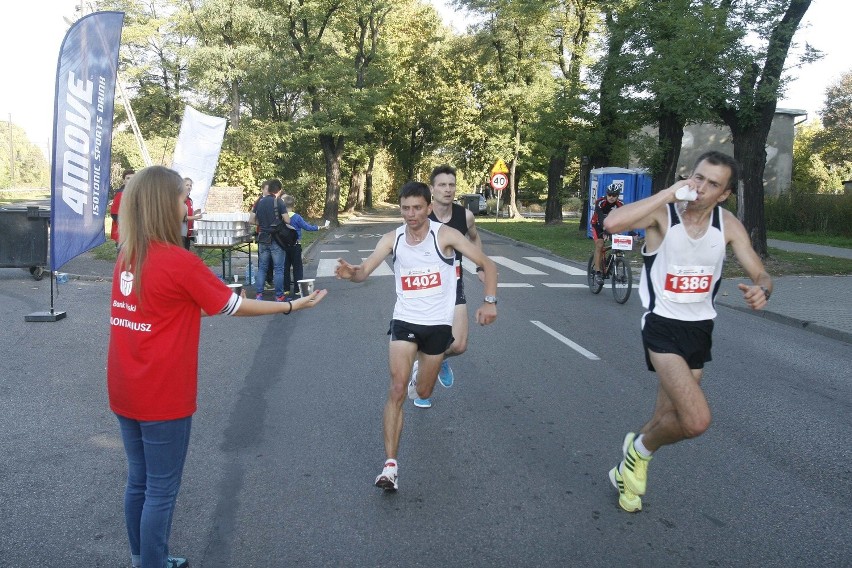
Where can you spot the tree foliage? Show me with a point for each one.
(810, 172)
(836, 139)
(342, 99)
(21, 158)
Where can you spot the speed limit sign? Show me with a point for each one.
(499, 181)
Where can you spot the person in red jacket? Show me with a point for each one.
(116, 203)
(160, 291)
(190, 215)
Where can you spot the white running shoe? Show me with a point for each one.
(412, 384)
(387, 480)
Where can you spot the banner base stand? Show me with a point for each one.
(45, 316)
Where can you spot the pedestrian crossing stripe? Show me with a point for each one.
(517, 266)
(561, 267)
(326, 266)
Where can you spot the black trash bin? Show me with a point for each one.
(474, 202)
(24, 239)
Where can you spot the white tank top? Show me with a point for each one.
(681, 278)
(425, 280)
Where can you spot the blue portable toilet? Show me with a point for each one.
(642, 189)
(600, 179)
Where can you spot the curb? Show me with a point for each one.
(811, 326)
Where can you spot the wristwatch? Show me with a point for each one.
(490, 299)
(766, 292)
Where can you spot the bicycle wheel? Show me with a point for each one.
(622, 280)
(594, 287)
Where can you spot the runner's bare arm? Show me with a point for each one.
(450, 238)
(473, 236)
(648, 213)
(736, 235)
(360, 272)
(472, 233)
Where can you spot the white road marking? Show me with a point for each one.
(329, 251)
(561, 285)
(561, 267)
(582, 351)
(325, 268)
(517, 266)
(514, 285)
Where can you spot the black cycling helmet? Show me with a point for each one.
(613, 190)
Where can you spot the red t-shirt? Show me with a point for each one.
(113, 210)
(152, 363)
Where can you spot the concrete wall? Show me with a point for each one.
(698, 138)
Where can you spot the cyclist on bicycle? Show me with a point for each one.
(603, 207)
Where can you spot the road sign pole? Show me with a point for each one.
(497, 213)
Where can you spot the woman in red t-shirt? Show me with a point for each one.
(159, 293)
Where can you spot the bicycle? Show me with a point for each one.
(616, 268)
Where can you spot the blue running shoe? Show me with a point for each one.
(423, 402)
(445, 375)
(177, 562)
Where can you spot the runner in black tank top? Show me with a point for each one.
(444, 210)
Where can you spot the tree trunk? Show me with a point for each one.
(669, 143)
(555, 171)
(511, 197)
(750, 152)
(355, 199)
(235, 104)
(585, 173)
(332, 150)
(352, 194)
(750, 122)
(368, 182)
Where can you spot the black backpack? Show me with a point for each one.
(284, 234)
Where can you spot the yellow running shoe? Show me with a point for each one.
(627, 500)
(634, 467)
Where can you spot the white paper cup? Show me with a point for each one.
(306, 287)
(236, 287)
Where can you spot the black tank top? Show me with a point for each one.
(458, 221)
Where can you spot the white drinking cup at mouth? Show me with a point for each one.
(686, 193)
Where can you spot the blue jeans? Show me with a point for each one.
(156, 452)
(266, 254)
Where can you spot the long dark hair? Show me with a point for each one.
(151, 211)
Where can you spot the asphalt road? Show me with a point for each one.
(508, 469)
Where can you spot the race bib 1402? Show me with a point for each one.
(421, 282)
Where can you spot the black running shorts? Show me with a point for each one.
(691, 340)
(460, 299)
(430, 339)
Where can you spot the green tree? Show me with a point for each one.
(152, 65)
(671, 45)
(749, 96)
(574, 20)
(810, 173)
(514, 43)
(22, 163)
(836, 138)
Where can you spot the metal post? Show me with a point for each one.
(11, 155)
